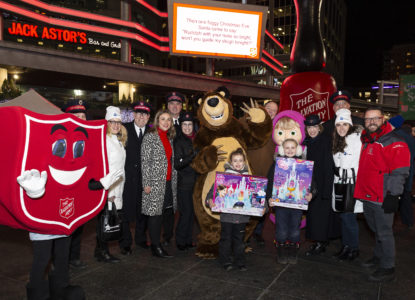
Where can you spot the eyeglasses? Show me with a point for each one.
(374, 119)
(115, 122)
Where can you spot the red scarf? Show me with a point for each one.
(371, 137)
(167, 148)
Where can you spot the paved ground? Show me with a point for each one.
(142, 276)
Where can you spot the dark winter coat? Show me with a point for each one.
(183, 156)
(409, 139)
(133, 179)
(322, 222)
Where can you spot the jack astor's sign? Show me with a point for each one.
(57, 34)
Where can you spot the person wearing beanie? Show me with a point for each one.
(346, 154)
(116, 139)
(405, 205)
(322, 223)
(341, 99)
(184, 154)
(159, 200)
(133, 188)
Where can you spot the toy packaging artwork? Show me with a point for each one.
(239, 194)
(292, 181)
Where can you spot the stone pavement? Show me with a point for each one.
(142, 276)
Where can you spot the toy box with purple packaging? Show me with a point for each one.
(292, 181)
(239, 194)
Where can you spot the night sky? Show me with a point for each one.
(372, 27)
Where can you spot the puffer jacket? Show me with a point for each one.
(383, 167)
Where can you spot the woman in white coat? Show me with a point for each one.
(346, 154)
(116, 139)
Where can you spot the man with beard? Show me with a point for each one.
(383, 167)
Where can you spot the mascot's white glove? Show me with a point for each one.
(33, 182)
(111, 178)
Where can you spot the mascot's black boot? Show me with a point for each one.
(61, 290)
(39, 292)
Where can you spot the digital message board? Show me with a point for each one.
(213, 28)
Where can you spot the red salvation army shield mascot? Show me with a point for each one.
(48, 163)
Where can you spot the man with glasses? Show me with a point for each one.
(383, 167)
(133, 180)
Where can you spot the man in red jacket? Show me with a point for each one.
(383, 166)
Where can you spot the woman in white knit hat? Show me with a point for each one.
(116, 139)
(346, 154)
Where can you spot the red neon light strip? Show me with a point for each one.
(272, 58)
(86, 27)
(271, 66)
(153, 9)
(296, 32)
(85, 15)
(274, 39)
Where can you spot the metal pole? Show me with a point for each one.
(125, 44)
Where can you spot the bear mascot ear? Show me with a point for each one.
(223, 91)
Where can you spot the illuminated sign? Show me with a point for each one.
(57, 34)
(212, 28)
(48, 33)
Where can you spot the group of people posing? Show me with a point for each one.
(152, 178)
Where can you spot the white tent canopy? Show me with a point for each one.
(31, 100)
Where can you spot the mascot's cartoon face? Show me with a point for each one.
(215, 109)
(72, 152)
(287, 129)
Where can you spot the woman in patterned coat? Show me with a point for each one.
(159, 179)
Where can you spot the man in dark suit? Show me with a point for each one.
(133, 181)
(340, 99)
(78, 108)
(174, 106)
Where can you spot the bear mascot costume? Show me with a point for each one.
(220, 133)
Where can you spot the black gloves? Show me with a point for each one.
(390, 204)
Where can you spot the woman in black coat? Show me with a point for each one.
(184, 154)
(321, 220)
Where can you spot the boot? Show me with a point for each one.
(105, 256)
(353, 253)
(158, 251)
(38, 292)
(293, 249)
(316, 248)
(61, 290)
(282, 253)
(343, 252)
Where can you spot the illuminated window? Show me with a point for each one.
(40, 43)
(408, 53)
(20, 40)
(409, 66)
(367, 94)
(360, 94)
(60, 45)
(79, 48)
(97, 50)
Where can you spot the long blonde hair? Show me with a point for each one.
(121, 136)
(171, 133)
